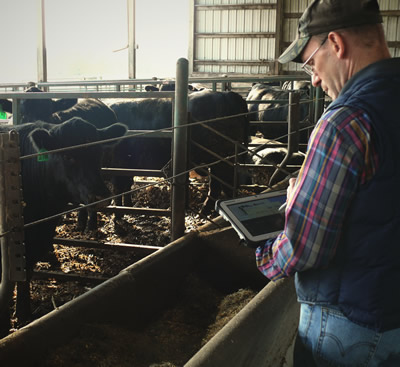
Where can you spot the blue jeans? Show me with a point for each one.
(336, 341)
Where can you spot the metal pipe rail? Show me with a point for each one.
(97, 94)
(264, 101)
(119, 84)
(104, 245)
(134, 82)
(14, 86)
(11, 263)
(137, 211)
(132, 172)
(66, 277)
(17, 96)
(153, 133)
(44, 95)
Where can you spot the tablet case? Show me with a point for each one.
(256, 218)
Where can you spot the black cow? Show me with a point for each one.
(6, 105)
(49, 185)
(58, 111)
(153, 114)
(169, 85)
(275, 112)
(42, 109)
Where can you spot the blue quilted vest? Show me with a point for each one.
(363, 279)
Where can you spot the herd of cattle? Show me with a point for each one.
(74, 176)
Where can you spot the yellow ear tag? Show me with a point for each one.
(43, 157)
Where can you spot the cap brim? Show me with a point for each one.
(293, 52)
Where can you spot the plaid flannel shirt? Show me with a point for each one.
(340, 157)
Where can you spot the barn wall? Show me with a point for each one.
(391, 24)
(245, 37)
(292, 11)
(233, 37)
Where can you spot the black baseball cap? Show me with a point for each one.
(323, 16)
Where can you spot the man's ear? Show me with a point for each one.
(338, 44)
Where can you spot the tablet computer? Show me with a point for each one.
(255, 218)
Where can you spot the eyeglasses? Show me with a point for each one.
(308, 68)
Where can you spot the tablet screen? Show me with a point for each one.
(260, 216)
(256, 217)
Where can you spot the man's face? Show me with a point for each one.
(322, 63)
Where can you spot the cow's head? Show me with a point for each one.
(76, 173)
(151, 88)
(42, 109)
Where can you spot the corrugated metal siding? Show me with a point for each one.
(391, 23)
(240, 36)
(231, 36)
(292, 10)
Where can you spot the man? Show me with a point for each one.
(342, 233)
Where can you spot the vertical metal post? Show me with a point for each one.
(293, 122)
(319, 103)
(11, 224)
(6, 285)
(235, 171)
(278, 36)
(14, 222)
(16, 114)
(179, 153)
(41, 45)
(131, 5)
(293, 131)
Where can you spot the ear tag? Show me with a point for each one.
(43, 157)
(3, 115)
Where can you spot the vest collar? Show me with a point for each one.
(384, 67)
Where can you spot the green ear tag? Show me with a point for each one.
(43, 157)
(3, 115)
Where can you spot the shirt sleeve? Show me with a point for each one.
(339, 158)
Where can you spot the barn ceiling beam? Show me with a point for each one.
(292, 15)
(390, 13)
(236, 7)
(270, 63)
(236, 35)
(385, 13)
(391, 44)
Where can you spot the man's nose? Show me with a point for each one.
(315, 80)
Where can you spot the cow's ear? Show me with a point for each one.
(112, 131)
(63, 104)
(41, 139)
